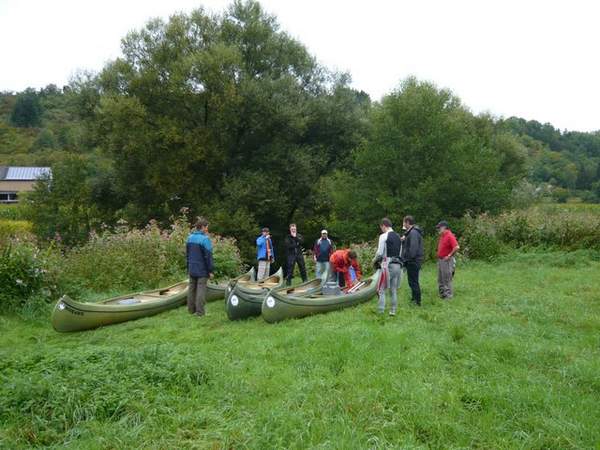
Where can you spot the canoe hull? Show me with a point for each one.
(243, 302)
(278, 306)
(70, 315)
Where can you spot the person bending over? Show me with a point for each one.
(340, 263)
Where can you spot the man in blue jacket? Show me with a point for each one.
(265, 254)
(199, 265)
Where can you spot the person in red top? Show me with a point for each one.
(447, 247)
(340, 263)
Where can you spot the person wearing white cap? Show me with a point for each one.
(321, 253)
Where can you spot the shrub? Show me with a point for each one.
(14, 228)
(12, 212)
(478, 237)
(23, 274)
(562, 227)
(132, 259)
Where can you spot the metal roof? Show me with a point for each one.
(25, 173)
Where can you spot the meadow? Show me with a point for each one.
(511, 362)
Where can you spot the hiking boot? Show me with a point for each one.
(392, 313)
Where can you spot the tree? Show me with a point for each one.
(429, 156)
(73, 201)
(222, 113)
(27, 111)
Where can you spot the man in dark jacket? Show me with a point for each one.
(412, 256)
(293, 252)
(199, 265)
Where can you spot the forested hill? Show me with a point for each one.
(231, 117)
(568, 160)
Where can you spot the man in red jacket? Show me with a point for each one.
(340, 263)
(447, 247)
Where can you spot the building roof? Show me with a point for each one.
(14, 173)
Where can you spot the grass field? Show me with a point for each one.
(512, 362)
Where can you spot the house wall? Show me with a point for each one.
(16, 186)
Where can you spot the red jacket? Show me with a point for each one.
(341, 264)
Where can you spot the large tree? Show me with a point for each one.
(428, 156)
(227, 114)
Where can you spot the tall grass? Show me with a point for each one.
(567, 227)
(511, 362)
(123, 259)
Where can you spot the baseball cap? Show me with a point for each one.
(443, 223)
(323, 231)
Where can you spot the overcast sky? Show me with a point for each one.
(535, 59)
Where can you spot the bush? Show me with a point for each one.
(12, 212)
(14, 228)
(23, 274)
(133, 259)
(562, 227)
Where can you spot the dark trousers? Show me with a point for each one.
(412, 273)
(291, 261)
(338, 277)
(196, 295)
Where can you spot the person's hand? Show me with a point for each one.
(211, 275)
(402, 238)
(446, 258)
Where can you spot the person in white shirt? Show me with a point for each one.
(388, 255)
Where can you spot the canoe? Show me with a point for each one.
(281, 303)
(245, 278)
(246, 297)
(71, 315)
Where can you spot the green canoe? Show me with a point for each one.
(246, 297)
(70, 315)
(281, 304)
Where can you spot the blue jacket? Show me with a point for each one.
(261, 248)
(199, 255)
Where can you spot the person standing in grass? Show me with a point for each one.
(447, 248)
(199, 266)
(340, 263)
(389, 255)
(293, 249)
(265, 254)
(322, 251)
(412, 256)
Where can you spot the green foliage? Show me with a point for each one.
(124, 259)
(569, 161)
(27, 111)
(14, 228)
(565, 227)
(11, 212)
(427, 156)
(243, 126)
(478, 238)
(73, 202)
(229, 115)
(23, 274)
(511, 362)
(129, 259)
